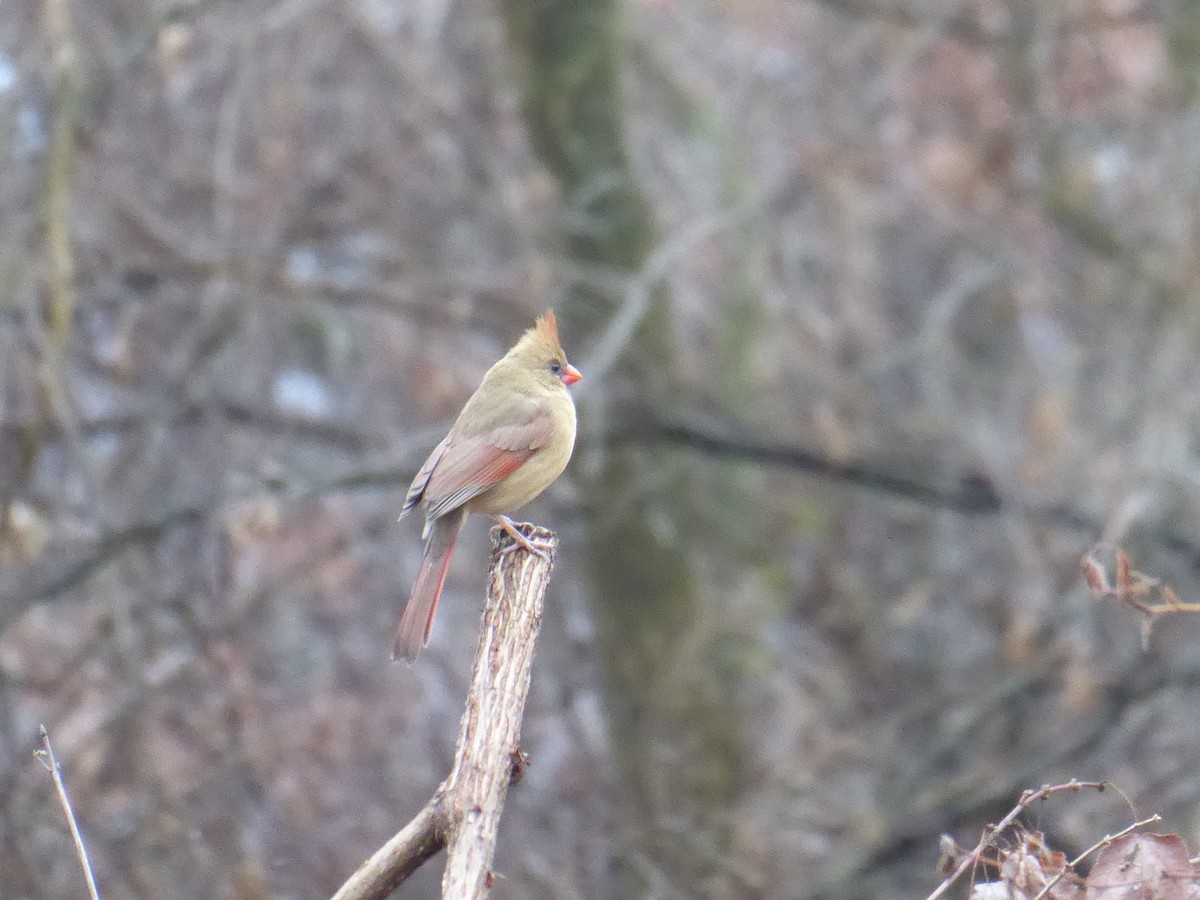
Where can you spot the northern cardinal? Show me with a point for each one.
(510, 442)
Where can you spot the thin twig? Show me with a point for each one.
(1140, 592)
(46, 757)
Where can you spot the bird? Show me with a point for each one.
(512, 439)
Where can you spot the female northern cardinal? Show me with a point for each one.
(512, 439)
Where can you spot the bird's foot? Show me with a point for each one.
(537, 548)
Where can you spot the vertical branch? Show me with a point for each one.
(464, 813)
(60, 167)
(54, 334)
(488, 740)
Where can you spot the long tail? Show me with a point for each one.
(417, 621)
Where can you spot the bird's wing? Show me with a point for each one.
(416, 490)
(469, 465)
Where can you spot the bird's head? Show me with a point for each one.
(539, 353)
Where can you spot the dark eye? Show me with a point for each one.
(556, 367)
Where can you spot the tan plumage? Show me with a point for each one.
(511, 440)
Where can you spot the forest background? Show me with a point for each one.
(888, 313)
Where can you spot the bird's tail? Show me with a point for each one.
(417, 621)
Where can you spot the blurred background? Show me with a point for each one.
(888, 312)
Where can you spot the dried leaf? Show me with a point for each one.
(949, 853)
(995, 890)
(1054, 860)
(1144, 866)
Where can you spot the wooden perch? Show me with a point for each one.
(464, 813)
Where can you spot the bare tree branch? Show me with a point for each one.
(464, 813)
(392, 863)
(46, 755)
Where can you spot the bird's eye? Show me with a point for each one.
(555, 367)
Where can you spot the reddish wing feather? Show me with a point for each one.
(451, 487)
(469, 466)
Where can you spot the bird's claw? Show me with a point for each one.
(536, 547)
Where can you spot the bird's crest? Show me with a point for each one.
(547, 326)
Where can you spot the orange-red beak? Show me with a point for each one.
(570, 375)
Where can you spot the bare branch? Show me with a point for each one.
(491, 726)
(46, 756)
(406, 852)
(464, 813)
(1143, 594)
